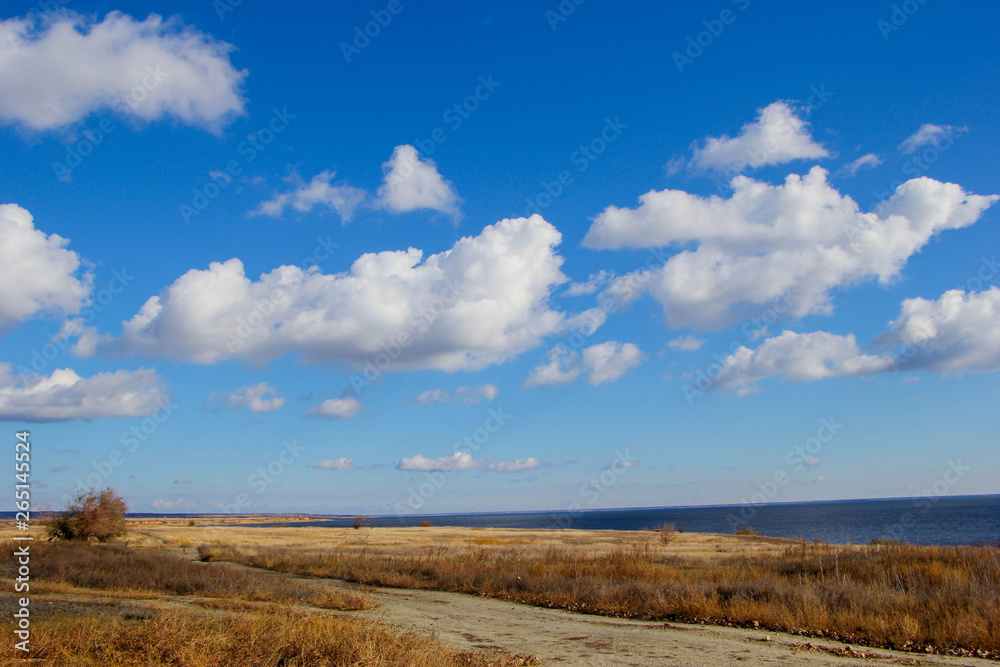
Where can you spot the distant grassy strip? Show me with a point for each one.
(118, 568)
(941, 599)
(283, 638)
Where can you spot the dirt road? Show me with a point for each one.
(563, 637)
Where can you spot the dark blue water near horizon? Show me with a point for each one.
(937, 520)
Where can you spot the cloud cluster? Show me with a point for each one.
(794, 241)
(57, 72)
(37, 273)
(64, 395)
(959, 332)
(776, 137)
(463, 461)
(463, 395)
(452, 463)
(408, 184)
(603, 362)
(260, 397)
(478, 303)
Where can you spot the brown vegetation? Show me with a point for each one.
(938, 599)
(118, 568)
(90, 515)
(283, 638)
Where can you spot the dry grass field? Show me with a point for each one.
(927, 599)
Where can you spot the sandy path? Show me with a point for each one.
(558, 636)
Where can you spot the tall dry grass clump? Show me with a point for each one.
(942, 599)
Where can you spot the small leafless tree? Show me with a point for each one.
(668, 532)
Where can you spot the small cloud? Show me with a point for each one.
(58, 468)
(455, 462)
(812, 462)
(868, 161)
(164, 504)
(182, 480)
(334, 464)
(411, 184)
(675, 165)
(519, 465)
(929, 135)
(320, 191)
(258, 398)
(336, 408)
(686, 343)
(595, 282)
(464, 395)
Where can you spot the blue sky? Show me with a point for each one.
(256, 259)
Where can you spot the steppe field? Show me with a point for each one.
(203, 592)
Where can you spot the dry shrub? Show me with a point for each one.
(668, 532)
(90, 515)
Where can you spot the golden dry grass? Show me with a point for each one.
(934, 599)
(116, 568)
(284, 638)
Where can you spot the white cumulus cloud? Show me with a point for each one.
(57, 72)
(37, 273)
(411, 183)
(64, 395)
(799, 358)
(260, 397)
(958, 332)
(792, 242)
(481, 302)
(336, 408)
(453, 463)
(776, 137)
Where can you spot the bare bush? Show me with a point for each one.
(100, 516)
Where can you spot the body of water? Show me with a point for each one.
(937, 520)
